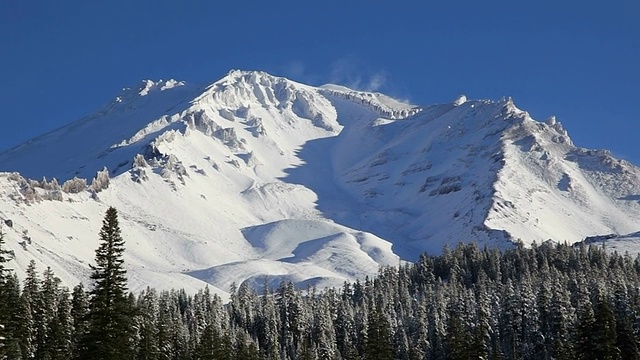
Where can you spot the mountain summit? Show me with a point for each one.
(258, 178)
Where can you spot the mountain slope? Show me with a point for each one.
(258, 178)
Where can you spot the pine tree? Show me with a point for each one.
(245, 349)
(13, 320)
(561, 317)
(148, 348)
(324, 333)
(604, 329)
(110, 314)
(60, 340)
(213, 345)
(4, 258)
(173, 333)
(626, 340)
(378, 345)
(5, 311)
(31, 310)
(268, 326)
(585, 341)
(79, 308)
(458, 339)
(49, 297)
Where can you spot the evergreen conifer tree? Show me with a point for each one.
(378, 343)
(585, 345)
(47, 342)
(79, 308)
(60, 336)
(604, 332)
(4, 309)
(148, 311)
(110, 314)
(12, 320)
(4, 258)
(31, 313)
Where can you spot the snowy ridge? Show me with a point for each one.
(622, 244)
(258, 178)
(383, 105)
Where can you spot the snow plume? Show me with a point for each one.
(376, 81)
(297, 70)
(352, 73)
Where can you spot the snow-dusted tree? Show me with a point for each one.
(585, 346)
(4, 301)
(213, 345)
(147, 325)
(245, 349)
(110, 315)
(11, 317)
(480, 345)
(324, 331)
(49, 295)
(345, 328)
(510, 321)
(561, 318)
(79, 308)
(603, 332)
(61, 327)
(293, 319)
(625, 315)
(378, 343)
(458, 338)
(30, 312)
(268, 326)
(173, 332)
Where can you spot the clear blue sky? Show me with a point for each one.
(60, 60)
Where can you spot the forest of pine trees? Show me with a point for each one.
(545, 302)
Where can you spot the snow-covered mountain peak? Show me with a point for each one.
(240, 88)
(258, 175)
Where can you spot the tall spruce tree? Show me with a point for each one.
(110, 314)
(31, 326)
(12, 319)
(604, 332)
(79, 309)
(378, 343)
(4, 257)
(4, 308)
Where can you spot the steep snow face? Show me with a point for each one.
(427, 180)
(87, 145)
(190, 179)
(550, 189)
(258, 178)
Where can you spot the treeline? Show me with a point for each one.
(545, 302)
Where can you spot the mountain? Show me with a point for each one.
(259, 178)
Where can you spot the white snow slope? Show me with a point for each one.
(258, 178)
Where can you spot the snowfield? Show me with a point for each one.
(258, 178)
